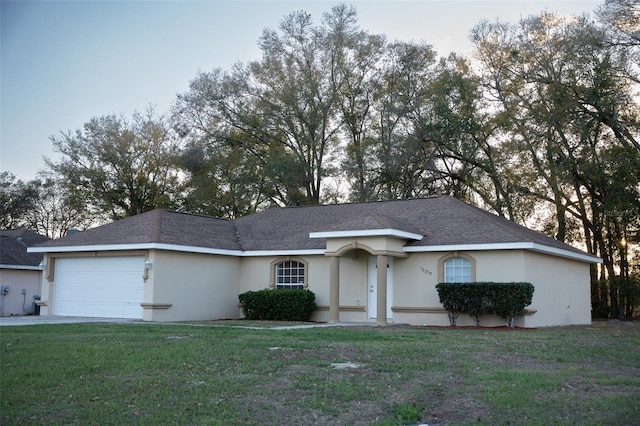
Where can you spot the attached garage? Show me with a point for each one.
(107, 287)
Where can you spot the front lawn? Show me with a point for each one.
(216, 374)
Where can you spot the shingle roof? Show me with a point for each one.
(13, 247)
(157, 226)
(442, 221)
(371, 221)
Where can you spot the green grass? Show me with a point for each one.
(218, 374)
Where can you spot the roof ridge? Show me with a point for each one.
(156, 226)
(197, 215)
(363, 202)
(236, 233)
(159, 214)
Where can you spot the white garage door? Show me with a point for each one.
(108, 287)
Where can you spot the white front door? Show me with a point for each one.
(373, 287)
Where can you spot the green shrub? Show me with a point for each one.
(278, 305)
(463, 297)
(477, 303)
(506, 300)
(453, 299)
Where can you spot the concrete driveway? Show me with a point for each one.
(34, 320)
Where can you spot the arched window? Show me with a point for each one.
(289, 275)
(457, 270)
(456, 267)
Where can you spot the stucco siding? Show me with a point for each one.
(190, 286)
(318, 269)
(499, 265)
(197, 286)
(376, 244)
(415, 294)
(256, 272)
(562, 293)
(561, 296)
(46, 287)
(415, 280)
(416, 298)
(354, 288)
(14, 302)
(496, 266)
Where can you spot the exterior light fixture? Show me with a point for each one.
(148, 264)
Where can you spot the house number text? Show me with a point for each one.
(425, 271)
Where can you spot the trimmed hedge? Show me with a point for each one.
(506, 300)
(278, 305)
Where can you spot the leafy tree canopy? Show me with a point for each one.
(115, 167)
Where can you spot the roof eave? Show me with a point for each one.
(22, 267)
(136, 246)
(536, 247)
(175, 247)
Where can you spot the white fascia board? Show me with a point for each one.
(24, 267)
(566, 253)
(462, 247)
(308, 252)
(367, 233)
(140, 246)
(256, 253)
(172, 247)
(540, 248)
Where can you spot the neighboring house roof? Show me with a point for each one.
(13, 249)
(431, 224)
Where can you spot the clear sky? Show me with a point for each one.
(64, 62)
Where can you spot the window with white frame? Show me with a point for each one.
(457, 270)
(289, 275)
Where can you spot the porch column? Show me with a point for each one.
(334, 289)
(381, 266)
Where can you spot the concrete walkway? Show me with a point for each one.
(35, 320)
(319, 325)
